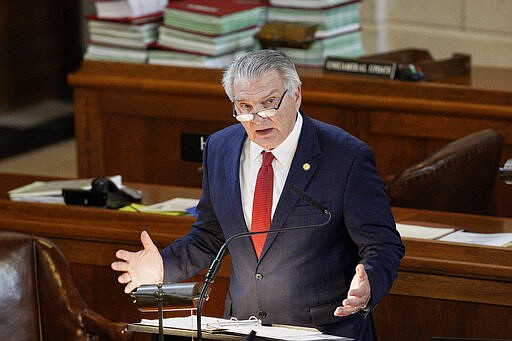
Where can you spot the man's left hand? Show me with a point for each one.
(358, 294)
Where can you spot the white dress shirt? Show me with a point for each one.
(250, 163)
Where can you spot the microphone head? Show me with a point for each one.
(307, 198)
(174, 296)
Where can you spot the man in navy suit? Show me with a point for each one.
(328, 277)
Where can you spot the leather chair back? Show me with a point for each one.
(38, 299)
(460, 177)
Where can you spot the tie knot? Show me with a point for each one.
(267, 158)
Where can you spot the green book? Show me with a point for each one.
(213, 17)
(347, 45)
(325, 18)
(208, 45)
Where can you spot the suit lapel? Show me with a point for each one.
(232, 166)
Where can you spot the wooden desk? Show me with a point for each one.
(89, 238)
(130, 118)
(449, 289)
(443, 289)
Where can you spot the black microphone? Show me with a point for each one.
(307, 198)
(215, 266)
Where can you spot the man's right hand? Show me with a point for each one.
(142, 267)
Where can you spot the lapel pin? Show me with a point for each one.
(306, 166)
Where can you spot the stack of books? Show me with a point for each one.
(206, 33)
(338, 32)
(122, 39)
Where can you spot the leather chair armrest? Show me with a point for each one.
(96, 324)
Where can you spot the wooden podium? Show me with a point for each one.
(133, 119)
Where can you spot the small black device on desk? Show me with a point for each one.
(103, 193)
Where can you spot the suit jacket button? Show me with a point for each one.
(259, 276)
(262, 314)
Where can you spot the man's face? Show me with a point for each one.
(262, 93)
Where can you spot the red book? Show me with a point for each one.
(216, 8)
(213, 17)
(153, 17)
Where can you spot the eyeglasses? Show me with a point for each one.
(244, 115)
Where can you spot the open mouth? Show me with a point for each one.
(264, 131)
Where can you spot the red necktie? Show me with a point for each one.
(262, 205)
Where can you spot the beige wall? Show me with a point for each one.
(481, 28)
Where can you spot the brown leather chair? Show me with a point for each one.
(459, 177)
(38, 300)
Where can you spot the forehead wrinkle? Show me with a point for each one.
(261, 98)
(260, 87)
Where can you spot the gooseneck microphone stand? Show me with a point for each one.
(215, 266)
(159, 296)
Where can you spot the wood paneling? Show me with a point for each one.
(129, 117)
(40, 42)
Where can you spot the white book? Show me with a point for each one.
(422, 232)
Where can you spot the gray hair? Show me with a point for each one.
(254, 64)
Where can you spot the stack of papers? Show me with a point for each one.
(451, 234)
(177, 206)
(422, 232)
(490, 239)
(244, 327)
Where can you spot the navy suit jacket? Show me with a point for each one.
(301, 276)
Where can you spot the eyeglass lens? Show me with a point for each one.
(263, 113)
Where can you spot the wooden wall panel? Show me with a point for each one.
(40, 43)
(403, 122)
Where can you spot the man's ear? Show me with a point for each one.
(298, 98)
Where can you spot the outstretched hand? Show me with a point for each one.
(358, 294)
(142, 267)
